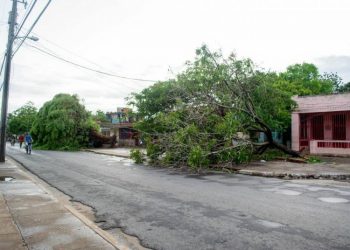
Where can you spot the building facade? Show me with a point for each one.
(321, 124)
(121, 124)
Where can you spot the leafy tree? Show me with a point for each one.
(344, 88)
(99, 116)
(334, 79)
(21, 120)
(157, 98)
(209, 110)
(304, 79)
(62, 123)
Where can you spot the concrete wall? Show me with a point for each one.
(315, 150)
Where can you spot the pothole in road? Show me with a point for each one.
(6, 178)
(333, 200)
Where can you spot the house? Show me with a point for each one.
(121, 124)
(321, 124)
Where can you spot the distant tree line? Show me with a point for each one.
(62, 123)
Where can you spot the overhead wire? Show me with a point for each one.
(24, 19)
(89, 68)
(66, 50)
(31, 28)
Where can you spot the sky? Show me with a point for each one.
(153, 39)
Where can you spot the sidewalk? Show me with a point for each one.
(32, 218)
(330, 167)
(120, 152)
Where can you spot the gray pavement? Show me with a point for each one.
(169, 210)
(31, 218)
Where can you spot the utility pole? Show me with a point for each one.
(5, 91)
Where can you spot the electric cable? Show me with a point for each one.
(31, 6)
(31, 28)
(64, 49)
(88, 68)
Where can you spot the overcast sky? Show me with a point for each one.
(152, 39)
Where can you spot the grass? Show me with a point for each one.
(313, 159)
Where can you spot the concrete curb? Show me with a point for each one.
(105, 235)
(105, 153)
(326, 176)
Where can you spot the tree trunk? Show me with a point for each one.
(278, 146)
(285, 149)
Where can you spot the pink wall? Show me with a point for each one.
(326, 104)
(295, 131)
(348, 127)
(322, 103)
(328, 151)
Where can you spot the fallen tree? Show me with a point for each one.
(212, 112)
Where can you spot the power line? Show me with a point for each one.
(31, 28)
(64, 49)
(88, 68)
(31, 6)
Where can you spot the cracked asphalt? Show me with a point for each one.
(169, 210)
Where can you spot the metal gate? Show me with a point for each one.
(317, 128)
(339, 127)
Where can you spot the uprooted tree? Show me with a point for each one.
(62, 123)
(210, 113)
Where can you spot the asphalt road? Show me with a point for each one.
(167, 210)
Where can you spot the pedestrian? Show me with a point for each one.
(21, 140)
(13, 140)
(28, 140)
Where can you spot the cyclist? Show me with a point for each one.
(28, 140)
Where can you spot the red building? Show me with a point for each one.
(321, 124)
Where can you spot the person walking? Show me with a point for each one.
(21, 140)
(28, 140)
(13, 140)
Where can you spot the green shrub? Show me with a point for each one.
(198, 158)
(243, 155)
(271, 154)
(137, 156)
(153, 150)
(314, 159)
